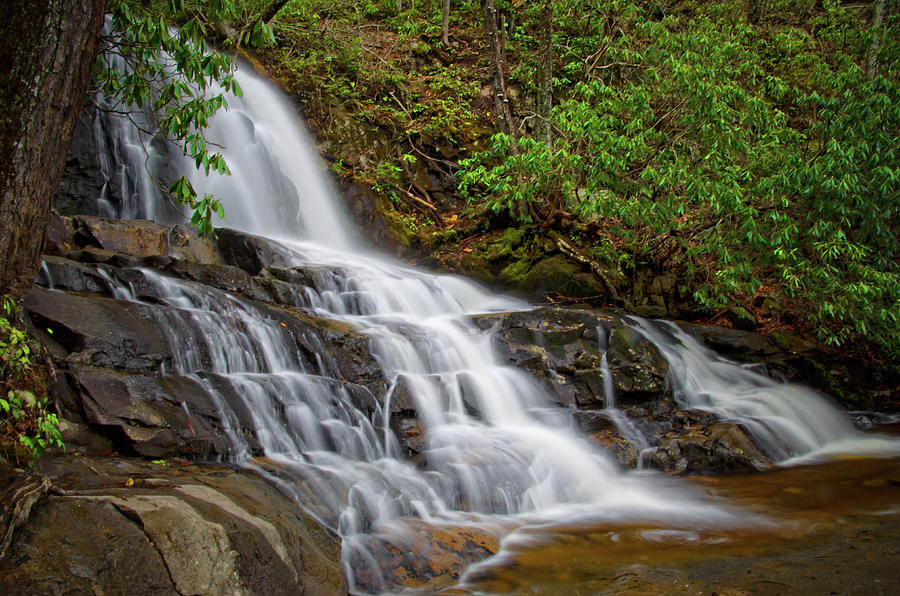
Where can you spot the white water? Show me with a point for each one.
(791, 423)
(510, 463)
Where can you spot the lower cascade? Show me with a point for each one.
(495, 450)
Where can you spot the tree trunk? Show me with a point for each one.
(445, 23)
(47, 49)
(498, 81)
(271, 10)
(545, 71)
(877, 20)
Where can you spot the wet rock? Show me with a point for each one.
(99, 331)
(109, 354)
(592, 421)
(622, 450)
(150, 416)
(734, 343)
(638, 370)
(66, 274)
(413, 554)
(186, 245)
(248, 252)
(722, 448)
(223, 277)
(410, 433)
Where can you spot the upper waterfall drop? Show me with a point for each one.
(277, 187)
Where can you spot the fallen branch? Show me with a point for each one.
(573, 253)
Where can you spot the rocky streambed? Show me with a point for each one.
(104, 516)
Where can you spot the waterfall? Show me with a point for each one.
(791, 423)
(495, 453)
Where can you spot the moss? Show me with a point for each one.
(559, 274)
(514, 274)
(513, 237)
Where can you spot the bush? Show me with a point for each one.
(27, 428)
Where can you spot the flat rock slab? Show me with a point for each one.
(120, 526)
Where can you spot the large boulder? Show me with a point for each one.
(129, 527)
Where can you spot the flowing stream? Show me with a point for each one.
(517, 463)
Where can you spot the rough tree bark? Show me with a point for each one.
(47, 48)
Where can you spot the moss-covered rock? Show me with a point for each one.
(560, 274)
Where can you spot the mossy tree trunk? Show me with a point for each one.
(47, 48)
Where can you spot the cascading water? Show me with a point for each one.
(496, 451)
(789, 422)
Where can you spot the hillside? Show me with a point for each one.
(730, 162)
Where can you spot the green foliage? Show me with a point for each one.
(26, 426)
(741, 156)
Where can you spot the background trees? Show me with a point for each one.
(746, 157)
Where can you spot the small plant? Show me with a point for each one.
(27, 428)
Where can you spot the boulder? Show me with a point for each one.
(137, 238)
(559, 274)
(97, 331)
(116, 526)
(638, 370)
(248, 252)
(721, 448)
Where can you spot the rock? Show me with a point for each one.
(109, 354)
(419, 555)
(733, 343)
(100, 331)
(151, 416)
(559, 274)
(114, 526)
(638, 370)
(186, 245)
(59, 237)
(622, 450)
(741, 318)
(223, 277)
(722, 448)
(411, 435)
(368, 211)
(248, 252)
(66, 274)
(592, 421)
(19, 493)
(136, 238)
